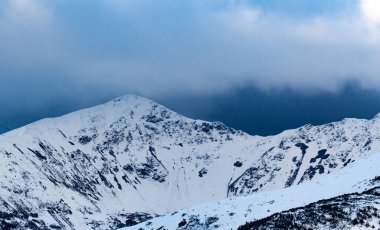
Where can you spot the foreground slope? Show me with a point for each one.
(129, 160)
(342, 200)
(348, 211)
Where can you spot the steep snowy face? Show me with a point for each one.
(295, 156)
(344, 199)
(131, 159)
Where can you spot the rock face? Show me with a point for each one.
(130, 160)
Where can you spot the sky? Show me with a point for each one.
(282, 57)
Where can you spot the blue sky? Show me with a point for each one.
(62, 55)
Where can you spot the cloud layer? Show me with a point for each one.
(97, 48)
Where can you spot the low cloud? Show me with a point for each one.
(62, 50)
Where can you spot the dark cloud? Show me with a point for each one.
(262, 112)
(251, 109)
(58, 56)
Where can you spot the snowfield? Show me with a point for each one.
(233, 212)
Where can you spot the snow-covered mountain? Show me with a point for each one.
(130, 160)
(343, 199)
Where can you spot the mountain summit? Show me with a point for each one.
(130, 160)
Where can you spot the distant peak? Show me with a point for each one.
(132, 102)
(377, 116)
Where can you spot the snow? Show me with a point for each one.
(84, 156)
(354, 178)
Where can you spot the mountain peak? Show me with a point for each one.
(130, 98)
(127, 103)
(377, 116)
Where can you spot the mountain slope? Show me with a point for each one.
(349, 211)
(346, 198)
(84, 165)
(129, 160)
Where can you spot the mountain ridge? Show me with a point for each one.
(133, 96)
(86, 163)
